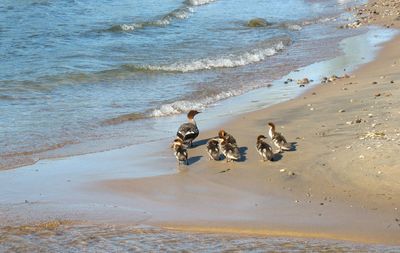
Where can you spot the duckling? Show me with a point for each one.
(278, 139)
(213, 149)
(228, 137)
(264, 149)
(180, 151)
(231, 152)
(189, 131)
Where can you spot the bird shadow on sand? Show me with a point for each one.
(243, 153)
(199, 143)
(293, 146)
(194, 159)
(277, 157)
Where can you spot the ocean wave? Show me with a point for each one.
(199, 2)
(181, 106)
(201, 100)
(126, 117)
(225, 61)
(182, 12)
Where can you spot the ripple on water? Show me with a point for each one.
(60, 236)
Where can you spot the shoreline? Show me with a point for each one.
(345, 184)
(368, 194)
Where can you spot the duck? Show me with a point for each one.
(228, 137)
(230, 151)
(180, 151)
(278, 139)
(264, 149)
(187, 132)
(213, 150)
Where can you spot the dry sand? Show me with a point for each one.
(342, 181)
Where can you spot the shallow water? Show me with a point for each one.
(62, 236)
(73, 71)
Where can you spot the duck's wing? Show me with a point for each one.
(282, 142)
(279, 138)
(231, 139)
(188, 131)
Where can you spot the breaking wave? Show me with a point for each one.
(182, 12)
(225, 61)
(199, 2)
(180, 106)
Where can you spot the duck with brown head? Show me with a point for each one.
(180, 151)
(264, 149)
(278, 139)
(228, 137)
(187, 132)
(213, 149)
(230, 151)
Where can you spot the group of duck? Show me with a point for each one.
(224, 143)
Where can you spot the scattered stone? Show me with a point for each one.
(291, 173)
(282, 170)
(349, 122)
(342, 110)
(370, 115)
(258, 22)
(314, 93)
(321, 203)
(392, 81)
(378, 94)
(375, 135)
(374, 82)
(223, 171)
(361, 157)
(358, 121)
(303, 82)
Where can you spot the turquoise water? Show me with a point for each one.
(95, 72)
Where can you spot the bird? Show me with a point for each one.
(187, 132)
(278, 138)
(264, 149)
(180, 151)
(213, 149)
(228, 137)
(230, 151)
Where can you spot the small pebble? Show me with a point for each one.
(342, 110)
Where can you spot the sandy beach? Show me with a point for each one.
(341, 182)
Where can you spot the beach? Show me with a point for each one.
(341, 181)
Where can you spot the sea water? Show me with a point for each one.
(85, 76)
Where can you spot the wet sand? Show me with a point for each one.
(341, 182)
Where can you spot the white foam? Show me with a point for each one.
(180, 106)
(182, 13)
(227, 61)
(130, 27)
(294, 27)
(199, 2)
